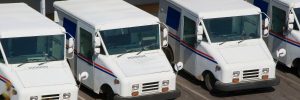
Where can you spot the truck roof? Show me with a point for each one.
(106, 14)
(217, 8)
(20, 20)
(289, 3)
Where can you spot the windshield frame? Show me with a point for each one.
(6, 59)
(104, 44)
(209, 38)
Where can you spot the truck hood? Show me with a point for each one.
(243, 54)
(143, 64)
(44, 76)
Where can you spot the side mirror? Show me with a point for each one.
(165, 36)
(200, 33)
(165, 43)
(291, 21)
(83, 76)
(266, 27)
(97, 44)
(165, 33)
(70, 48)
(280, 53)
(178, 66)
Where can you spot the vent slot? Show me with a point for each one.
(152, 86)
(249, 74)
(50, 97)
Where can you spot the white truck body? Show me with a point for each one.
(33, 63)
(281, 35)
(118, 66)
(236, 62)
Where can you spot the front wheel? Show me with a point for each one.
(169, 53)
(210, 81)
(298, 70)
(108, 93)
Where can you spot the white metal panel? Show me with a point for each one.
(34, 75)
(102, 14)
(243, 54)
(217, 8)
(20, 21)
(143, 64)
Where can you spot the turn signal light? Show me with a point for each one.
(135, 93)
(265, 77)
(235, 80)
(165, 89)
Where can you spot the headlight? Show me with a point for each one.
(34, 98)
(265, 71)
(236, 74)
(66, 95)
(165, 83)
(135, 87)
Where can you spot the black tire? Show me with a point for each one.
(298, 70)
(210, 81)
(296, 65)
(169, 53)
(108, 93)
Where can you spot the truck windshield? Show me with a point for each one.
(131, 39)
(233, 28)
(34, 49)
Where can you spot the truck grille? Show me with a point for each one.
(50, 97)
(152, 86)
(248, 74)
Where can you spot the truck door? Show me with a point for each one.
(172, 19)
(188, 43)
(71, 28)
(85, 53)
(278, 28)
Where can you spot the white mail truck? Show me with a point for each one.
(219, 42)
(120, 47)
(33, 63)
(284, 32)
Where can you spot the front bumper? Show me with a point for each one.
(247, 85)
(158, 96)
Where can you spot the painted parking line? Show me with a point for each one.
(80, 97)
(288, 79)
(193, 91)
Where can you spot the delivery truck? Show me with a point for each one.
(120, 46)
(284, 32)
(33, 63)
(219, 42)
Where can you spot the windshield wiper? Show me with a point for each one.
(243, 38)
(222, 43)
(144, 48)
(46, 60)
(127, 51)
(22, 64)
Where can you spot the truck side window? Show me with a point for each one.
(86, 44)
(1, 57)
(102, 50)
(278, 20)
(297, 13)
(296, 26)
(189, 34)
(70, 27)
(173, 18)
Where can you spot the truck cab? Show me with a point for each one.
(284, 32)
(119, 47)
(224, 48)
(33, 63)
